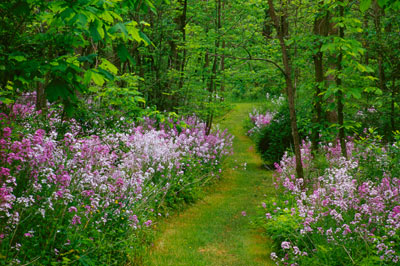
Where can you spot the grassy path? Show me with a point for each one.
(213, 231)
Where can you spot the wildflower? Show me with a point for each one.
(7, 132)
(72, 209)
(296, 250)
(28, 235)
(274, 256)
(285, 245)
(243, 213)
(76, 220)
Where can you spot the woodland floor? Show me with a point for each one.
(213, 231)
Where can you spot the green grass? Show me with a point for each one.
(213, 230)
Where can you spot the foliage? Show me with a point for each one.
(93, 199)
(271, 130)
(347, 213)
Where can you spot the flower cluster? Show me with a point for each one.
(259, 121)
(343, 211)
(61, 191)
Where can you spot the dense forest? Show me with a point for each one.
(109, 114)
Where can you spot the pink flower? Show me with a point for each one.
(148, 223)
(285, 245)
(7, 132)
(396, 211)
(243, 213)
(28, 235)
(76, 220)
(72, 209)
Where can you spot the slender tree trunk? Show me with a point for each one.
(289, 87)
(392, 104)
(41, 102)
(212, 87)
(184, 52)
(222, 86)
(339, 97)
(381, 70)
(320, 29)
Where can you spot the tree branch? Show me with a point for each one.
(253, 59)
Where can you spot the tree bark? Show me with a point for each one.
(212, 87)
(184, 52)
(319, 29)
(392, 104)
(339, 97)
(289, 87)
(41, 101)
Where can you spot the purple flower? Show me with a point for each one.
(285, 245)
(396, 211)
(243, 213)
(72, 209)
(76, 220)
(7, 132)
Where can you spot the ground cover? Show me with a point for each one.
(217, 230)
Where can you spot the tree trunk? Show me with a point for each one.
(222, 86)
(320, 29)
(184, 52)
(339, 96)
(212, 87)
(289, 87)
(392, 104)
(41, 101)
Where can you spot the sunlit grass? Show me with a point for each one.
(214, 231)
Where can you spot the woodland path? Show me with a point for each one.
(213, 231)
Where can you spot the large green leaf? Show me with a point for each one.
(364, 5)
(58, 89)
(124, 54)
(119, 27)
(97, 78)
(94, 31)
(144, 37)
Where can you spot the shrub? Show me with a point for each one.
(274, 139)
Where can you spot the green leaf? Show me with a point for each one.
(382, 3)
(58, 89)
(106, 74)
(97, 78)
(6, 100)
(107, 65)
(82, 19)
(144, 37)
(119, 27)
(94, 33)
(18, 58)
(364, 5)
(67, 13)
(123, 54)
(88, 58)
(355, 92)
